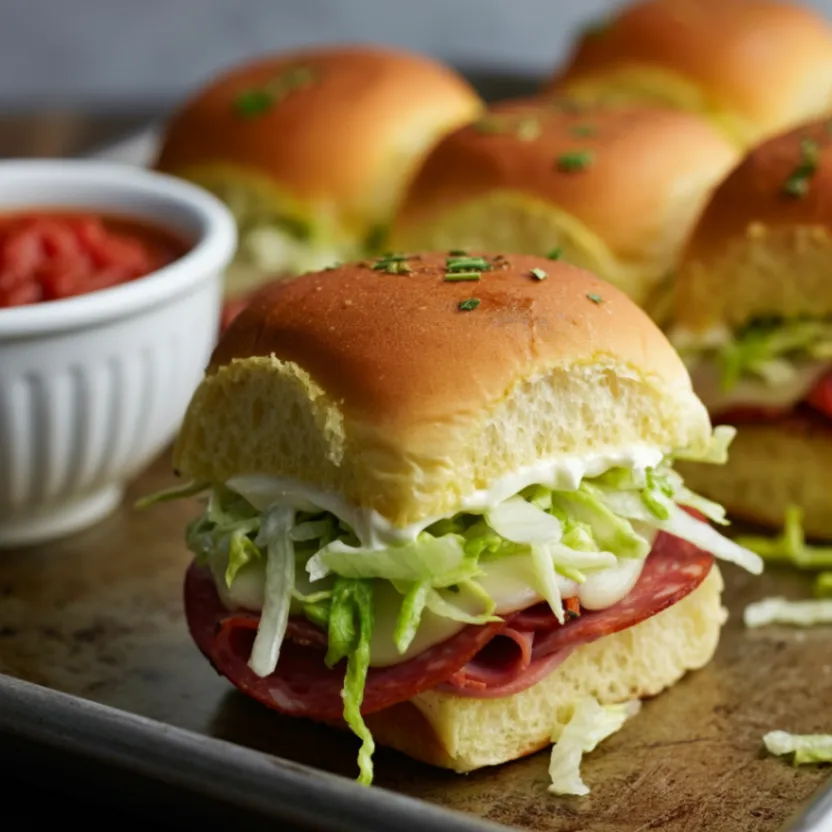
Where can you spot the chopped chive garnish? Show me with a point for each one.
(582, 130)
(463, 264)
(575, 161)
(452, 277)
(256, 101)
(595, 298)
(458, 252)
(539, 274)
(555, 254)
(528, 129)
(797, 183)
(468, 304)
(397, 267)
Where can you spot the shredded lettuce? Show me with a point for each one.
(439, 604)
(350, 632)
(768, 348)
(807, 748)
(823, 585)
(280, 582)
(717, 451)
(520, 521)
(241, 551)
(441, 560)
(790, 547)
(782, 611)
(177, 492)
(410, 615)
(611, 531)
(683, 525)
(590, 724)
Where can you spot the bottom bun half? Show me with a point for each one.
(772, 465)
(464, 734)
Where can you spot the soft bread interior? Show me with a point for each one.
(465, 734)
(769, 270)
(771, 466)
(634, 83)
(267, 416)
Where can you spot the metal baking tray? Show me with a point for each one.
(104, 697)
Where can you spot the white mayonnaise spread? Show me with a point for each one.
(510, 581)
(375, 532)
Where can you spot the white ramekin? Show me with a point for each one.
(93, 387)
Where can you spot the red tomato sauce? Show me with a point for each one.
(49, 255)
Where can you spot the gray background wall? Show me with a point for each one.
(122, 52)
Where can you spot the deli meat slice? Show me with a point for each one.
(493, 660)
(302, 684)
(673, 570)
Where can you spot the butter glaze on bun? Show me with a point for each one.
(617, 189)
(378, 386)
(760, 248)
(755, 67)
(318, 143)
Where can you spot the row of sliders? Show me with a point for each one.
(463, 484)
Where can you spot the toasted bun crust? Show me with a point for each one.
(503, 182)
(773, 465)
(377, 386)
(340, 144)
(757, 250)
(755, 67)
(465, 734)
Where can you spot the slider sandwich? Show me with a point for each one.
(311, 149)
(754, 67)
(753, 320)
(441, 504)
(614, 190)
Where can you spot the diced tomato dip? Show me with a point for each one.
(50, 256)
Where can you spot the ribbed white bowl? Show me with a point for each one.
(93, 387)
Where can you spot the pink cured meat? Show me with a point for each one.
(466, 664)
(673, 570)
(303, 685)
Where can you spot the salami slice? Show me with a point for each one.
(303, 685)
(503, 659)
(673, 570)
(466, 664)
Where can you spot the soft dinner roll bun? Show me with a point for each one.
(755, 67)
(311, 149)
(762, 246)
(616, 189)
(773, 465)
(377, 386)
(463, 733)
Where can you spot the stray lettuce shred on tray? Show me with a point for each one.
(591, 723)
(780, 610)
(807, 748)
(790, 547)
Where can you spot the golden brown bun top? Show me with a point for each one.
(763, 243)
(638, 159)
(756, 56)
(756, 191)
(397, 349)
(336, 111)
